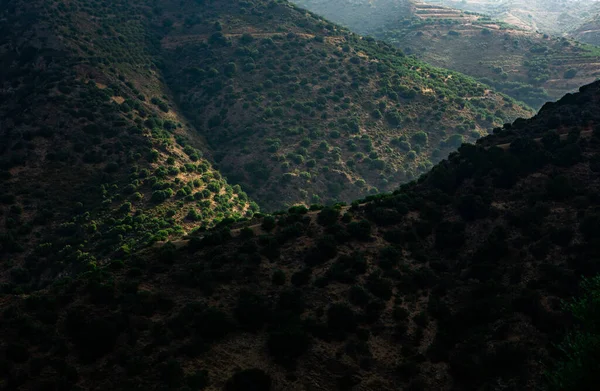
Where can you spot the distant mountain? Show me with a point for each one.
(526, 65)
(589, 29)
(548, 16)
(454, 282)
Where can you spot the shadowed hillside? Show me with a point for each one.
(453, 282)
(95, 162)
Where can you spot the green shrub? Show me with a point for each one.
(288, 343)
(361, 230)
(570, 73)
(358, 296)
(328, 216)
(278, 278)
(420, 138)
(249, 379)
(577, 368)
(251, 311)
(197, 380)
(268, 223)
(340, 318)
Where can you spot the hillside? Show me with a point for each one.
(526, 65)
(94, 163)
(112, 128)
(589, 29)
(297, 109)
(453, 282)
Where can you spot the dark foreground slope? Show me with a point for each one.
(453, 282)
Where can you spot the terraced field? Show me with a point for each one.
(554, 17)
(527, 65)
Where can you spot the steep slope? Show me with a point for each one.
(299, 110)
(526, 65)
(450, 283)
(294, 109)
(93, 162)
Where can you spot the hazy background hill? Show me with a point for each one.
(549, 16)
(577, 19)
(528, 65)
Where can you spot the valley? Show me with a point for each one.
(244, 195)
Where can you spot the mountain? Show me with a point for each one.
(589, 29)
(297, 109)
(527, 65)
(94, 159)
(451, 282)
(134, 110)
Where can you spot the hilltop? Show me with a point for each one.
(452, 282)
(527, 65)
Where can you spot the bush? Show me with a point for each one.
(328, 216)
(198, 380)
(449, 236)
(171, 373)
(251, 311)
(92, 336)
(268, 223)
(420, 138)
(358, 296)
(570, 73)
(249, 380)
(361, 230)
(341, 318)
(288, 343)
(472, 207)
(379, 287)
(278, 277)
(302, 277)
(578, 366)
